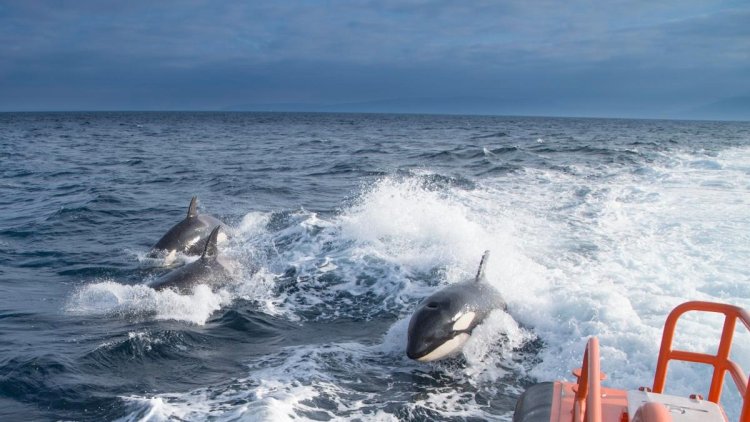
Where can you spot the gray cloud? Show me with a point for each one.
(205, 55)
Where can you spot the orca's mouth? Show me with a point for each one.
(417, 353)
(420, 346)
(448, 347)
(419, 349)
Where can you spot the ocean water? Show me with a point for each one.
(341, 224)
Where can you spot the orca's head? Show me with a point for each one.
(439, 328)
(443, 322)
(187, 237)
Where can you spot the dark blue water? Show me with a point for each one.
(343, 222)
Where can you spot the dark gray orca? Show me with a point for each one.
(209, 269)
(443, 321)
(188, 236)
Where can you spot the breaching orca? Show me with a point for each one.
(188, 236)
(209, 269)
(443, 321)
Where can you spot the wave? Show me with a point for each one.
(580, 249)
(337, 379)
(110, 298)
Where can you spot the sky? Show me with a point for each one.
(638, 58)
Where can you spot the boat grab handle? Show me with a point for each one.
(720, 361)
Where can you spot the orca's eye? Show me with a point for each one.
(432, 305)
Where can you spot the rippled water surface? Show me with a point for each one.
(341, 224)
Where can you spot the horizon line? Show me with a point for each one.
(410, 113)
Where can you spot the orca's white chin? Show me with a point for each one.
(446, 349)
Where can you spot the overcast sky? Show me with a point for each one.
(641, 57)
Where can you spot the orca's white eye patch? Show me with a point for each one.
(463, 321)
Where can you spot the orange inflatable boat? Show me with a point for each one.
(587, 401)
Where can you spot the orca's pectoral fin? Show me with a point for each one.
(211, 249)
(482, 266)
(193, 208)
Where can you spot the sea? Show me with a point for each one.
(340, 224)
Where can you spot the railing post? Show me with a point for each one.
(588, 400)
(722, 357)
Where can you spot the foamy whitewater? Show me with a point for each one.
(340, 225)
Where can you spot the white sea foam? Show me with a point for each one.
(304, 382)
(578, 255)
(140, 301)
(620, 254)
(601, 251)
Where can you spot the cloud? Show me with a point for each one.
(362, 32)
(208, 54)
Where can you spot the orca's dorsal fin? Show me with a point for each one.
(482, 266)
(211, 249)
(193, 208)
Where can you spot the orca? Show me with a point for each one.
(188, 236)
(443, 321)
(209, 269)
